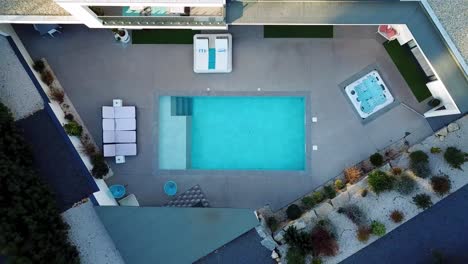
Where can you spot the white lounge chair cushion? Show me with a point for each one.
(107, 112)
(125, 136)
(201, 54)
(108, 136)
(125, 149)
(129, 200)
(108, 124)
(125, 124)
(109, 150)
(221, 46)
(124, 112)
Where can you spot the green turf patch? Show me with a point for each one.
(163, 36)
(298, 31)
(409, 69)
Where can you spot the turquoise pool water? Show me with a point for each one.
(370, 94)
(248, 133)
(231, 133)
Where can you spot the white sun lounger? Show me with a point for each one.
(119, 136)
(124, 112)
(125, 124)
(221, 46)
(201, 54)
(112, 150)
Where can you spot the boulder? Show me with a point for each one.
(279, 236)
(309, 216)
(274, 255)
(323, 209)
(386, 167)
(299, 224)
(442, 132)
(453, 127)
(340, 200)
(269, 243)
(441, 138)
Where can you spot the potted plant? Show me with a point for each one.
(121, 35)
(434, 102)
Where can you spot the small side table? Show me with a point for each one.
(117, 102)
(119, 159)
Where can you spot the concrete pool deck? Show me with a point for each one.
(93, 70)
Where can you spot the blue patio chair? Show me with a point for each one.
(117, 190)
(170, 188)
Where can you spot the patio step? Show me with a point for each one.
(183, 106)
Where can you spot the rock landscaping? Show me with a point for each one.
(329, 230)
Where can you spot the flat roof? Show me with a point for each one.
(379, 12)
(31, 8)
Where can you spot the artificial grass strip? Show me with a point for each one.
(409, 69)
(298, 31)
(163, 36)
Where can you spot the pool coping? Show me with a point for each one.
(374, 66)
(194, 172)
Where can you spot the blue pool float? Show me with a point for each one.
(170, 188)
(117, 190)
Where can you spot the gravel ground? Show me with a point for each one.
(453, 15)
(90, 236)
(17, 91)
(31, 7)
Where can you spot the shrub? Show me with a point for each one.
(405, 184)
(455, 157)
(88, 148)
(396, 216)
(396, 171)
(73, 129)
(100, 168)
(323, 242)
(329, 192)
(272, 223)
(380, 181)
(339, 184)
(364, 192)
(293, 212)
(39, 66)
(314, 199)
(57, 95)
(47, 77)
(69, 117)
(376, 159)
(294, 256)
(354, 213)
(422, 201)
(363, 233)
(297, 239)
(352, 174)
(31, 227)
(378, 228)
(317, 261)
(419, 164)
(441, 185)
(435, 150)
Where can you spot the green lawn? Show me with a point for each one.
(163, 36)
(298, 31)
(409, 69)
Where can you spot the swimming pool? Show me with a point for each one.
(369, 94)
(232, 133)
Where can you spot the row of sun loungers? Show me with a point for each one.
(119, 131)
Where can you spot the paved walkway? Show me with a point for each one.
(443, 228)
(54, 160)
